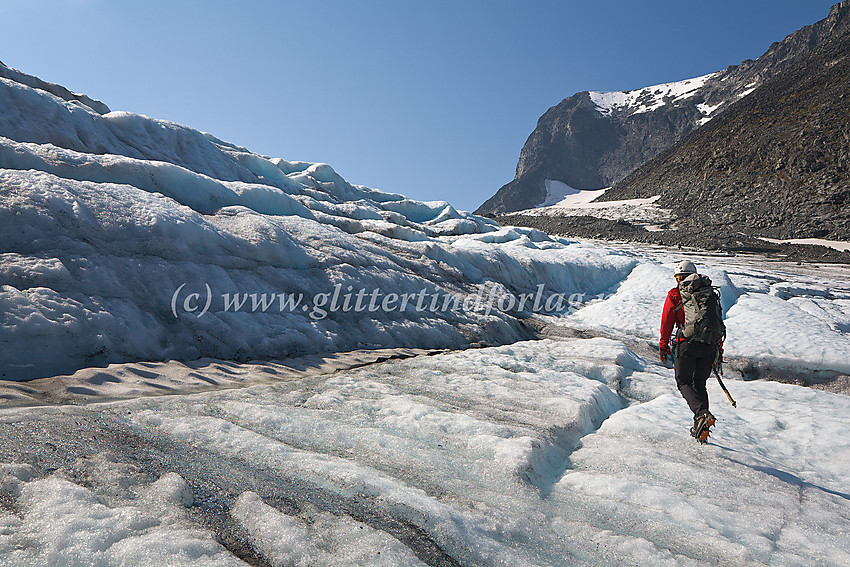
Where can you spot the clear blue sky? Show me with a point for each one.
(433, 99)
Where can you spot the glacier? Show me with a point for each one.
(104, 216)
(554, 452)
(145, 420)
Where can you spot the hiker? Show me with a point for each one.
(693, 306)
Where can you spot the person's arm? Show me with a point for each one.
(669, 317)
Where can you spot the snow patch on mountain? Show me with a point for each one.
(557, 191)
(560, 194)
(564, 201)
(649, 98)
(836, 244)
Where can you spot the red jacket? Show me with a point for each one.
(670, 316)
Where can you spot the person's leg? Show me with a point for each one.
(702, 370)
(693, 364)
(685, 367)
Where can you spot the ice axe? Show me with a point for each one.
(718, 370)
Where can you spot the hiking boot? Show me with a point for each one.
(702, 424)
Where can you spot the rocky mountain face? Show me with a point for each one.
(593, 140)
(774, 164)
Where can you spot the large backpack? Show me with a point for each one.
(703, 313)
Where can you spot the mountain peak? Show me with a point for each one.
(775, 164)
(593, 140)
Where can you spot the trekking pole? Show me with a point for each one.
(718, 363)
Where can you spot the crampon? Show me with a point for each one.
(701, 429)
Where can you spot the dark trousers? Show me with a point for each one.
(692, 364)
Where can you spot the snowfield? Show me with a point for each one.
(564, 201)
(213, 357)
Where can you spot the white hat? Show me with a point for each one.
(685, 267)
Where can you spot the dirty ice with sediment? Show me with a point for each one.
(442, 437)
